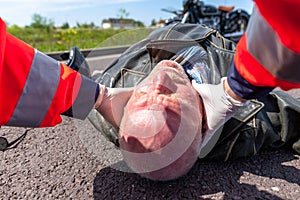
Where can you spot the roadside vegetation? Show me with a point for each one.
(44, 36)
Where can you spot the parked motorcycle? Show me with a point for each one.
(229, 22)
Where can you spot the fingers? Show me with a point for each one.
(102, 91)
(205, 91)
(112, 104)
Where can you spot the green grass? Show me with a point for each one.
(63, 39)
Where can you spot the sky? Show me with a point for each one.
(20, 12)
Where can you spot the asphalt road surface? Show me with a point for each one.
(74, 161)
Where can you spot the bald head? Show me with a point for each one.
(160, 132)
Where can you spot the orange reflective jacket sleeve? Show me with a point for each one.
(268, 55)
(36, 89)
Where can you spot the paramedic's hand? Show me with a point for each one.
(111, 102)
(219, 107)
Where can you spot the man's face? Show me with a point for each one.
(163, 114)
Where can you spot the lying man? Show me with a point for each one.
(163, 124)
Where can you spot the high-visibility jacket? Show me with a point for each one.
(36, 89)
(268, 54)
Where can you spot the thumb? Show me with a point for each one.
(196, 86)
(204, 90)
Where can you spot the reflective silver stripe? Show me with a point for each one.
(265, 46)
(38, 93)
(85, 99)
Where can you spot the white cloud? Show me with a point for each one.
(21, 11)
(68, 1)
(52, 5)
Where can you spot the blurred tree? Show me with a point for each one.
(65, 25)
(86, 25)
(41, 22)
(122, 13)
(153, 22)
(138, 24)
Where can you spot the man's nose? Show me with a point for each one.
(164, 83)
